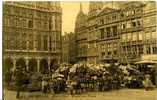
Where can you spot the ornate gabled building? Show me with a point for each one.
(138, 32)
(122, 33)
(81, 36)
(109, 34)
(32, 35)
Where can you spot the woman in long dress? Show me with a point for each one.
(148, 83)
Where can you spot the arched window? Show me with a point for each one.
(30, 24)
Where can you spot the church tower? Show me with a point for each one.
(80, 18)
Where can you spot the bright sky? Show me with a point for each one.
(70, 11)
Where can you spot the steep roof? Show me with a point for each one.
(106, 10)
(81, 18)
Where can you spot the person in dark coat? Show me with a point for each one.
(20, 80)
(8, 77)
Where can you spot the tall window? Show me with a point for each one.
(50, 24)
(154, 50)
(45, 42)
(102, 21)
(30, 39)
(23, 41)
(134, 24)
(108, 31)
(148, 50)
(39, 42)
(30, 24)
(24, 22)
(102, 33)
(114, 30)
(16, 22)
(140, 47)
(50, 47)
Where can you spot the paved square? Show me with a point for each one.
(123, 94)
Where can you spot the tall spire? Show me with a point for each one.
(81, 7)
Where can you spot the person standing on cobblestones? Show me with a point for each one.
(20, 79)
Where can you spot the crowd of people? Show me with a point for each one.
(84, 77)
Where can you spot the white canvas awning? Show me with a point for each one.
(146, 62)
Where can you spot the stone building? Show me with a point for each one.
(32, 35)
(121, 33)
(109, 34)
(138, 31)
(68, 48)
(124, 32)
(93, 34)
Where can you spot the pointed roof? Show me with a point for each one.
(81, 17)
(80, 14)
(80, 6)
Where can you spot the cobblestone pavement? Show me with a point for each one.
(124, 94)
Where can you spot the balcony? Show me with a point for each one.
(134, 29)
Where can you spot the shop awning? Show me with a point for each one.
(146, 62)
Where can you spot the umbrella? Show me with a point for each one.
(59, 78)
(56, 75)
(75, 67)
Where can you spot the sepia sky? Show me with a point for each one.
(70, 11)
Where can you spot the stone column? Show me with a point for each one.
(48, 43)
(27, 42)
(151, 49)
(144, 49)
(27, 67)
(14, 63)
(38, 65)
(34, 42)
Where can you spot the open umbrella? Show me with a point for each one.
(56, 75)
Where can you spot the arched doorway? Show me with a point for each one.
(44, 66)
(32, 65)
(7, 65)
(20, 63)
(53, 64)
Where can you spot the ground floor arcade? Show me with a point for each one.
(43, 64)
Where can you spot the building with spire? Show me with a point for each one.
(122, 32)
(81, 35)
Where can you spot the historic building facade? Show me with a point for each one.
(138, 31)
(68, 48)
(121, 33)
(109, 34)
(93, 33)
(32, 35)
